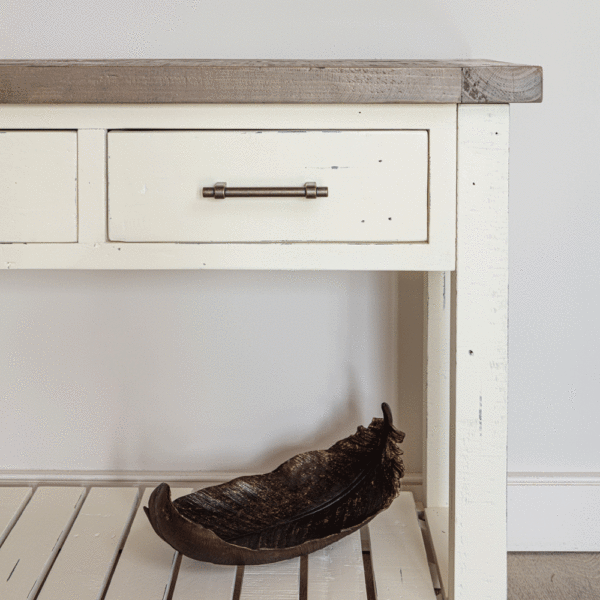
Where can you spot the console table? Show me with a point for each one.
(366, 165)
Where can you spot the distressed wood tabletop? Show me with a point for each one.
(267, 81)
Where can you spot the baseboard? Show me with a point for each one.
(554, 512)
(411, 481)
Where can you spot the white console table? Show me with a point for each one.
(102, 166)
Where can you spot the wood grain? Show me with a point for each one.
(494, 85)
(259, 81)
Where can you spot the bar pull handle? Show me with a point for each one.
(310, 190)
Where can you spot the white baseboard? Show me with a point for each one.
(554, 512)
(19, 477)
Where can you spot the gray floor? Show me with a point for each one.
(553, 576)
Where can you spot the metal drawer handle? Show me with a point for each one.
(220, 191)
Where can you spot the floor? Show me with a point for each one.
(553, 576)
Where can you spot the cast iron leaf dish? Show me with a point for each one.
(310, 501)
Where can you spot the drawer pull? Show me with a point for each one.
(220, 191)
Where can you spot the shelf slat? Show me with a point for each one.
(32, 543)
(12, 500)
(203, 581)
(337, 572)
(87, 556)
(438, 524)
(398, 555)
(279, 580)
(69, 554)
(145, 565)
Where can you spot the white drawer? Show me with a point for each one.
(377, 184)
(38, 186)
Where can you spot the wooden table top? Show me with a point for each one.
(267, 81)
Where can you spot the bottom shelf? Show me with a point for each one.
(95, 543)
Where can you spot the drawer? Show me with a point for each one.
(38, 186)
(377, 184)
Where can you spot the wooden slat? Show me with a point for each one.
(278, 580)
(252, 81)
(32, 544)
(145, 565)
(337, 571)
(437, 522)
(204, 581)
(12, 501)
(482, 84)
(87, 556)
(400, 565)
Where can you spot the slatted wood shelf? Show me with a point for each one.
(94, 543)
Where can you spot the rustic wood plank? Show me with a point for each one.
(337, 571)
(12, 503)
(495, 85)
(204, 581)
(85, 562)
(477, 563)
(30, 549)
(146, 561)
(226, 81)
(398, 554)
(437, 522)
(279, 580)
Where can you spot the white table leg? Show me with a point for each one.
(436, 435)
(477, 566)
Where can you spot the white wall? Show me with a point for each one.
(554, 413)
(189, 370)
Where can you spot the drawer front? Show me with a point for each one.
(38, 186)
(377, 184)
